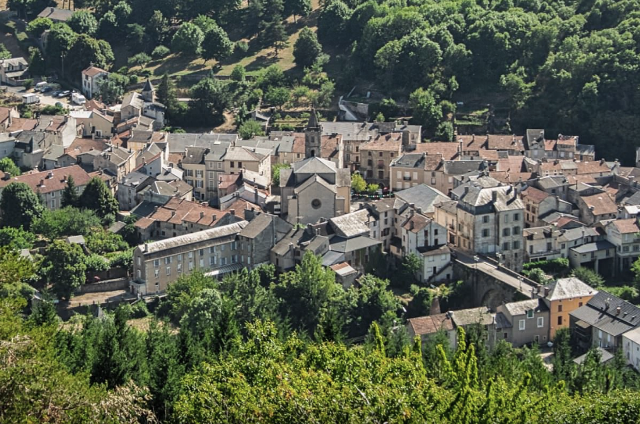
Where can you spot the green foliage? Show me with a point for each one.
(358, 184)
(277, 96)
(216, 44)
(210, 98)
(160, 52)
(16, 238)
(95, 264)
(36, 27)
(83, 22)
(28, 84)
(444, 132)
(249, 129)
(589, 276)
(8, 166)
(539, 276)
(553, 266)
(122, 260)
(420, 304)
(102, 241)
(140, 59)
(408, 272)
(306, 48)
(275, 172)
(367, 304)
(239, 73)
(112, 88)
(53, 110)
(64, 268)
(70, 194)
(15, 271)
(86, 51)
(426, 111)
(97, 197)
(20, 206)
(187, 40)
(68, 221)
(372, 188)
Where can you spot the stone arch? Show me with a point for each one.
(493, 298)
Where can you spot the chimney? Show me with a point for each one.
(50, 175)
(232, 212)
(201, 214)
(618, 309)
(41, 183)
(173, 213)
(466, 190)
(494, 195)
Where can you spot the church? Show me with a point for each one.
(314, 188)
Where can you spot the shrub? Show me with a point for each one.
(96, 263)
(27, 84)
(560, 265)
(133, 79)
(160, 52)
(242, 46)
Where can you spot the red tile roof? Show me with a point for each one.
(430, 324)
(50, 181)
(448, 150)
(627, 226)
(92, 71)
(388, 142)
(601, 203)
(533, 194)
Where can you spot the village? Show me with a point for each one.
(484, 209)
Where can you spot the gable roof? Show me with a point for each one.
(314, 165)
(351, 224)
(200, 236)
(569, 288)
(92, 71)
(609, 313)
(56, 14)
(423, 197)
(50, 181)
(601, 204)
(430, 324)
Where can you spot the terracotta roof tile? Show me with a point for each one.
(388, 142)
(627, 226)
(50, 181)
(449, 151)
(430, 324)
(601, 203)
(92, 71)
(534, 194)
(505, 142)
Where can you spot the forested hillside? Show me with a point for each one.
(261, 348)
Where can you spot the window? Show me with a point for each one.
(485, 233)
(212, 261)
(156, 273)
(516, 217)
(167, 260)
(530, 313)
(179, 268)
(516, 230)
(190, 265)
(232, 164)
(506, 218)
(201, 263)
(521, 325)
(560, 320)
(138, 258)
(156, 263)
(239, 164)
(516, 245)
(180, 258)
(316, 203)
(485, 219)
(380, 154)
(190, 255)
(559, 308)
(201, 252)
(540, 322)
(505, 246)
(506, 335)
(506, 232)
(168, 270)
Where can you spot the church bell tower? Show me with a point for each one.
(313, 136)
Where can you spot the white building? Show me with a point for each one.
(631, 347)
(90, 79)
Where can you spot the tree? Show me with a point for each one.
(358, 184)
(562, 363)
(8, 166)
(83, 22)
(275, 34)
(368, 303)
(275, 172)
(372, 188)
(332, 23)
(68, 221)
(209, 100)
(517, 90)
(20, 206)
(277, 96)
(157, 27)
(37, 64)
(426, 111)
(297, 7)
(216, 44)
(140, 59)
(188, 39)
(112, 88)
(589, 276)
(409, 270)
(16, 238)
(86, 51)
(59, 41)
(306, 48)
(249, 129)
(64, 268)
(70, 193)
(239, 73)
(444, 132)
(36, 27)
(97, 197)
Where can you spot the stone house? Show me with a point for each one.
(376, 156)
(193, 165)
(13, 71)
(541, 243)
(562, 297)
(158, 264)
(50, 184)
(596, 207)
(93, 124)
(602, 321)
(117, 160)
(91, 78)
(130, 188)
(429, 326)
(143, 105)
(624, 235)
(529, 322)
(538, 204)
(256, 240)
(631, 347)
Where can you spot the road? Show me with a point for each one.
(492, 270)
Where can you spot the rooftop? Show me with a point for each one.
(430, 324)
(51, 181)
(226, 230)
(569, 288)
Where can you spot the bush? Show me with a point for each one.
(133, 79)
(556, 266)
(96, 263)
(242, 46)
(160, 52)
(105, 242)
(122, 260)
(140, 59)
(27, 84)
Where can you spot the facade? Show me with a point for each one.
(13, 71)
(312, 189)
(562, 297)
(90, 80)
(631, 347)
(51, 184)
(490, 222)
(529, 322)
(158, 264)
(624, 235)
(538, 204)
(256, 240)
(377, 155)
(541, 243)
(429, 326)
(118, 161)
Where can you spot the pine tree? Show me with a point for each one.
(70, 194)
(276, 34)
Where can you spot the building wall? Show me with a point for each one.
(157, 270)
(374, 165)
(532, 327)
(310, 213)
(194, 175)
(631, 351)
(434, 262)
(568, 306)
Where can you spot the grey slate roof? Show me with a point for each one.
(200, 236)
(134, 178)
(605, 356)
(410, 160)
(602, 313)
(195, 155)
(460, 167)
(314, 165)
(332, 258)
(340, 244)
(178, 142)
(480, 315)
(568, 288)
(423, 197)
(350, 131)
(351, 224)
(594, 247)
(521, 308)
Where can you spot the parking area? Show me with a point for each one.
(46, 99)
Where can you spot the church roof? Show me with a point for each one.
(313, 119)
(147, 86)
(314, 165)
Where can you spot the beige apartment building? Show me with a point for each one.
(158, 264)
(377, 155)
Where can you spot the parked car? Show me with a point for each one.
(65, 93)
(46, 89)
(40, 86)
(56, 93)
